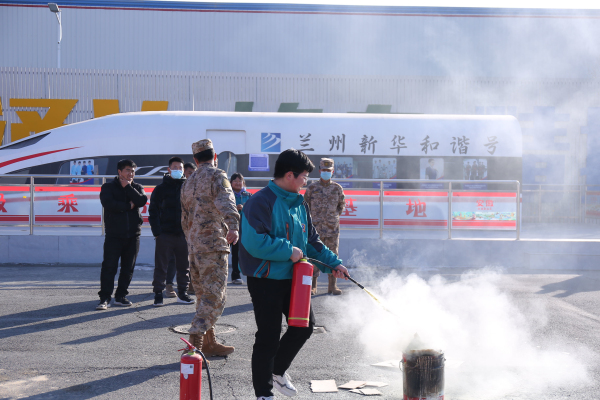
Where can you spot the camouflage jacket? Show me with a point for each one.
(327, 202)
(208, 210)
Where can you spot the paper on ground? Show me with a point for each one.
(326, 386)
(376, 384)
(352, 385)
(388, 364)
(367, 392)
(361, 384)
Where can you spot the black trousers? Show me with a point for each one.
(235, 263)
(114, 248)
(167, 246)
(171, 271)
(270, 354)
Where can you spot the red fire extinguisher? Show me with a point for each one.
(190, 376)
(300, 297)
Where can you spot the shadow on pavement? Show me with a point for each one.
(578, 284)
(139, 326)
(109, 384)
(34, 321)
(65, 310)
(242, 308)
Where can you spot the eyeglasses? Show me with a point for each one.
(296, 175)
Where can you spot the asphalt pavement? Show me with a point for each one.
(55, 345)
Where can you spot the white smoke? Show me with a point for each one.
(472, 321)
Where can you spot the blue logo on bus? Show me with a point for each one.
(270, 142)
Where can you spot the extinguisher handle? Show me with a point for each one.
(189, 345)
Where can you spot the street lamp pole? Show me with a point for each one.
(54, 8)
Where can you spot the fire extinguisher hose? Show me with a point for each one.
(207, 371)
(312, 260)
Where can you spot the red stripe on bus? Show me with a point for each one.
(68, 218)
(416, 193)
(66, 189)
(16, 160)
(484, 194)
(359, 222)
(14, 218)
(408, 222)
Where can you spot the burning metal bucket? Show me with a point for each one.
(423, 373)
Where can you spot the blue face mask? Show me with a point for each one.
(176, 174)
(326, 175)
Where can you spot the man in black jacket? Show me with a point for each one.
(121, 199)
(165, 220)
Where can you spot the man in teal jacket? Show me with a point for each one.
(276, 232)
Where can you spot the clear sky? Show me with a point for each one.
(571, 4)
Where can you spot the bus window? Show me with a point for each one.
(227, 162)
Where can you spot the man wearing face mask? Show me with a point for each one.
(326, 201)
(165, 221)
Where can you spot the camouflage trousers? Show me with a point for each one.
(333, 243)
(209, 275)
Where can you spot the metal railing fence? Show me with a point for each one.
(101, 179)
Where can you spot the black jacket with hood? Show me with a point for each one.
(120, 220)
(165, 207)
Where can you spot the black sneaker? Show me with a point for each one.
(185, 299)
(123, 302)
(158, 299)
(103, 305)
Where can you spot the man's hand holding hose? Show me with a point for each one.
(340, 272)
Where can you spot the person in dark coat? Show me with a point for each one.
(165, 221)
(121, 199)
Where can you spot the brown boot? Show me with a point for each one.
(332, 288)
(169, 292)
(313, 291)
(196, 341)
(213, 348)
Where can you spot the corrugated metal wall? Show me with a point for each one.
(294, 43)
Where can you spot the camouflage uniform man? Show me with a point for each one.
(326, 201)
(210, 221)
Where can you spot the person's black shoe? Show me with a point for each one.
(185, 299)
(123, 302)
(103, 305)
(158, 299)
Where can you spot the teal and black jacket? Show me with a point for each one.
(241, 197)
(273, 221)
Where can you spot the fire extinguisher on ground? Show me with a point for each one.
(190, 376)
(299, 314)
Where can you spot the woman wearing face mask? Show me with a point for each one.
(241, 196)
